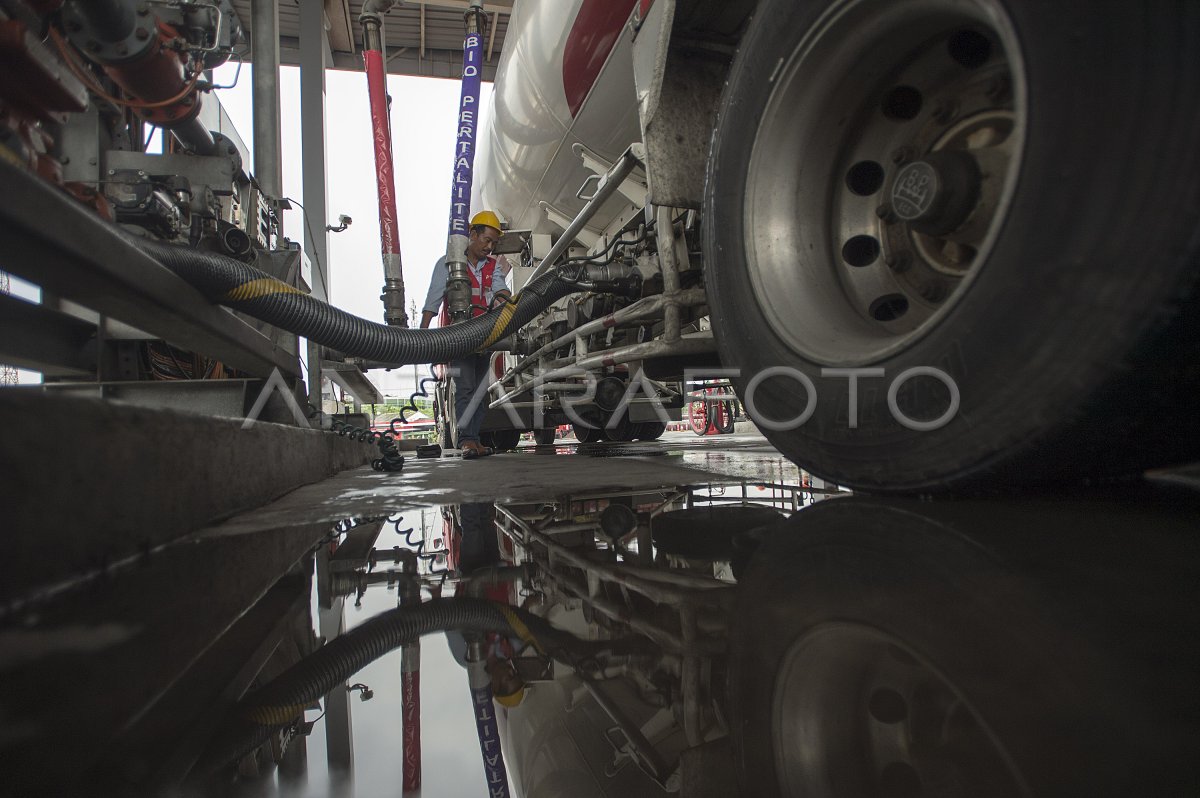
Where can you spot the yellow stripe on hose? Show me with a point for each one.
(519, 627)
(274, 716)
(263, 286)
(506, 314)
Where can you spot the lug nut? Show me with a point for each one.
(899, 261)
(997, 89)
(886, 213)
(902, 154)
(944, 112)
(142, 34)
(932, 292)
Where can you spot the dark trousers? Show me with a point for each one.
(472, 372)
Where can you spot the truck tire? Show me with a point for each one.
(591, 431)
(443, 414)
(722, 417)
(699, 417)
(651, 430)
(505, 439)
(968, 648)
(545, 436)
(1033, 319)
(621, 432)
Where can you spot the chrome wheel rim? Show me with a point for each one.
(857, 713)
(881, 173)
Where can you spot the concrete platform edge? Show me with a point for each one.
(88, 482)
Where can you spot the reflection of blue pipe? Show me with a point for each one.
(485, 725)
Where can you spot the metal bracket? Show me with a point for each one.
(632, 189)
(585, 236)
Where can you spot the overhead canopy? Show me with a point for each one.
(421, 38)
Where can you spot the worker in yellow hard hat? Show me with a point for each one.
(488, 289)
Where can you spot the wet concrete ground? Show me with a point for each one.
(119, 684)
(530, 473)
(124, 675)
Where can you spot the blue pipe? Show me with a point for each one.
(458, 282)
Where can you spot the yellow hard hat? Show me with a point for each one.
(486, 218)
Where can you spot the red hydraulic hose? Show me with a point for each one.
(389, 235)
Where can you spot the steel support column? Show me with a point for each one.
(268, 163)
(314, 58)
(314, 52)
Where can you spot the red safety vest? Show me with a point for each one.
(480, 287)
(478, 292)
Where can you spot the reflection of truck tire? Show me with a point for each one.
(544, 436)
(707, 532)
(888, 647)
(651, 430)
(1065, 311)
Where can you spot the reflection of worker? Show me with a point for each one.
(508, 688)
(488, 288)
(478, 547)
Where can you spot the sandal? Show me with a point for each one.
(473, 449)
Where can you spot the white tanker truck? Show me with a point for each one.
(937, 246)
(935, 243)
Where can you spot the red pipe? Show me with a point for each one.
(410, 694)
(389, 236)
(410, 700)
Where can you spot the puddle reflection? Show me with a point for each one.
(659, 567)
(602, 644)
(595, 565)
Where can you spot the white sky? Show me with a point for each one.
(424, 115)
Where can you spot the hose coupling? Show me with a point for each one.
(458, 290)
(393, 303)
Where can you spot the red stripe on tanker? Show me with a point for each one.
(592, 38)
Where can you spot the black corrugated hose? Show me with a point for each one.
(281, 701)
(254, 292)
